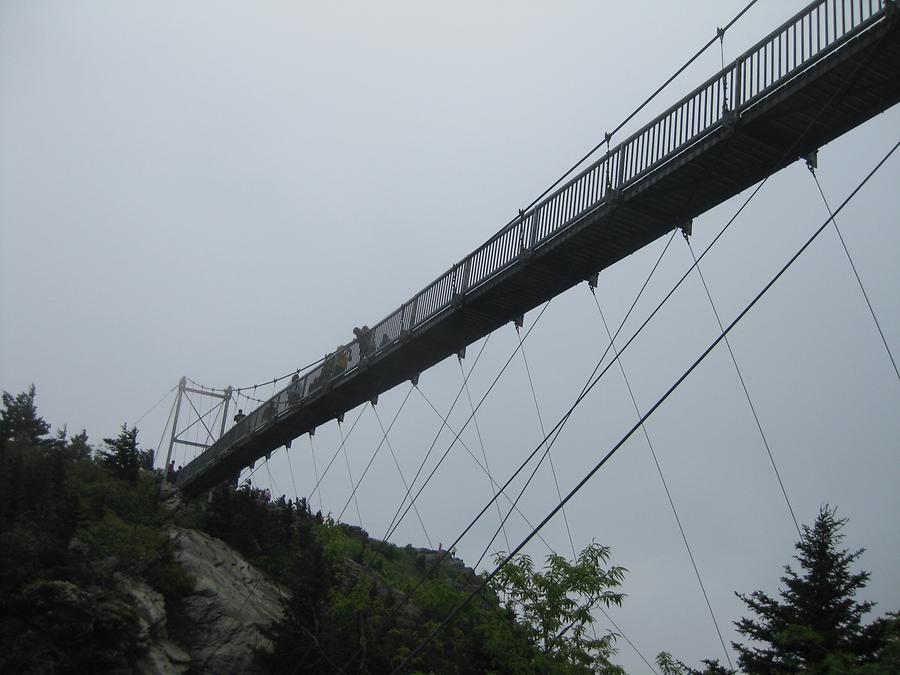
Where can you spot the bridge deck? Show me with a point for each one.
(825, 71)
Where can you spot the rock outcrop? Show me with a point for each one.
(224, 624)
(161, 655)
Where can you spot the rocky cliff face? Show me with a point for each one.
(226, 619)
(222, 626)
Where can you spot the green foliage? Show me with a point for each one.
(554, 606)
(816, 625)
(668, 665)
(19, 421)
(351, 605)
(56, 626)
(123, 456)
(70, 526)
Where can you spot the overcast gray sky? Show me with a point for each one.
(223, 190)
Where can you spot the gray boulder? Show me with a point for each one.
(225, 622)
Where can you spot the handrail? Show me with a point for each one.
(817, 29)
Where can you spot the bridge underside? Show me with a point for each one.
(851, 85)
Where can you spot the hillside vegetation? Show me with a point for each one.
(77, 522)
(92, 575)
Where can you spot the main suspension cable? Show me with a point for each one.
(153, 407)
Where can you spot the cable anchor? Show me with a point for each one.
(812, 161)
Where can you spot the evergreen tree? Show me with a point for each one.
(19, 420)
(123, 456)
(816, 621)
(78, 447)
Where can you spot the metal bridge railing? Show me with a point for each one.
(814, 31)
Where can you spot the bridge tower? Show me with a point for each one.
(208, 425)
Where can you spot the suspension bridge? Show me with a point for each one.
(823, 72)
(829, 68)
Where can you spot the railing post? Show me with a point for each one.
(616, 187)
(464, 282)
(532, 235)
(737, 97)
(520, 226)
(413, 307)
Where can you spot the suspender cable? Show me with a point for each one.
(740, 375)
(350, 473)
(537, 409)
(340, 447)
(486, 579)
(463, 428)
(273, 489)
(483, 451)
(317, 488)
(291, 467)
(665, 483)
(400, 471)
(375, 454)
(494, 483)
(855, 273)
(395, 521)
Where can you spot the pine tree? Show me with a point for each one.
(816, 620)
(122, 454)
(19, 420)
(78, 447)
